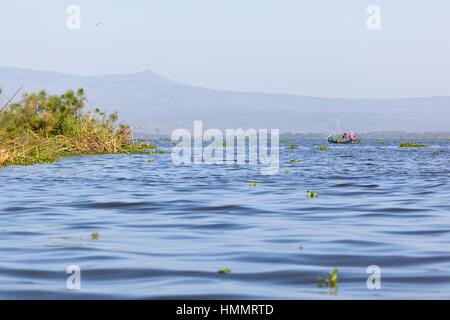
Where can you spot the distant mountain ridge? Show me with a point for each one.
(153, 102)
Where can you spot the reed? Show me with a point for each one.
(41, 128)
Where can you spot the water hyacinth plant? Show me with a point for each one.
(224, 271)
(413, 145)
(312, 194)
(322, 148)
(331, 282)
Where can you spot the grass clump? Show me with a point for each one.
(322, 148)
(382, 142)
(253, 183)
(413, 145)
(41, 128)
(292, 146)
(436, 153)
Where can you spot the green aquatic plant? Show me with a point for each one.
(26, 161)
(331, 282)
(224, 271)
(41, 128)
(150, 160)
(323, 148)
(413, 145)
(382, 142)
(284, 141)
(253, 183)
(292, 146)
(294, 160)
(436, 153)
(312, 194)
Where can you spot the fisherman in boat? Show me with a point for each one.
(351, 136)
(344, 137)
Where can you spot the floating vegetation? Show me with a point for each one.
(286, 171)
(284, 141)
(295, 160)
(413, 145)
(150, 160)
(301, 247)
(312, 194)
(158, 152)
(26, 161)
(147, 146)
(322, 148)
(224, 271)
(436, 153)
(382, 142)
(41, 128)
(331, 282)
(95, 235)
(292, 146)
(253, 183)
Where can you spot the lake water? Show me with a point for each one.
(165, 231)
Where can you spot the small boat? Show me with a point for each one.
(343, 141)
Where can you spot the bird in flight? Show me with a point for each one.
(98, 23)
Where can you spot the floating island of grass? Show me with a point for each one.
(292, 146)
(413, 145)
(42, 128)
(322, 148)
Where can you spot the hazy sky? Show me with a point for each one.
(316, 48)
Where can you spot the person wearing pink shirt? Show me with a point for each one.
(351, 136)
